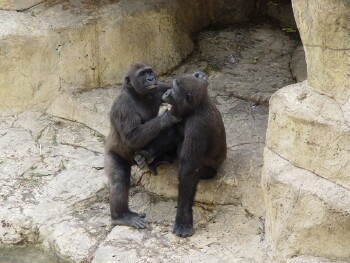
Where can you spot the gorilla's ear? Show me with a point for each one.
(127, 80)
(189, 98)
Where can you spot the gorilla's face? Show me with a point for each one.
(178, 100)
(143, 80)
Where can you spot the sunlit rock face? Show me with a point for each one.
(306, 174)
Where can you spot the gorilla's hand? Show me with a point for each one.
(140, 160)
(167, 119)
(201, 75)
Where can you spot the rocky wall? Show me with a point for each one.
(306, 170)
(53, 46)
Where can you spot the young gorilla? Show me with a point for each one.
(134, 124)
(203, 148)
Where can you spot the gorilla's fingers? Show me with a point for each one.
(140, 161)
(138, 222)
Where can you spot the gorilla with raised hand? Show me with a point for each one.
(133, 124)
(204, 143)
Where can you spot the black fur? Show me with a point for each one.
(204, 145)
(134, 125)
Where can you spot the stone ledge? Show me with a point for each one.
(306, 214)
(18, 4)
(238, 181)
(306, 259)
(311, 131)
(56, 48)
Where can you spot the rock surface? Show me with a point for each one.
(18, 5)
(323, 148)
(304, 210)
(54, 189)
(324, 30)
(298, 64)
(306, 181)
(89, 44)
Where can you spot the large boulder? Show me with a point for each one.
(309, 130)
(306, 181)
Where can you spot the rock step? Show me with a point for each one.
(312, 260)
(64, 45)
(306, 214)
(238, 181)
(312, 131)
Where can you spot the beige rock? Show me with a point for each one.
(91, 107)
(56, 50)
(307, 259)
(324, 29)
(323, 23)
(311, 131)
(306, 214)
(18, 4)
(298, 64)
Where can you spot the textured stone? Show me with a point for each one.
(308, 259)
(298, 64)
(311, 131)
(306, 214)
(324, 29)
(213, 243)
(74, 45)
(90, 107)
(238, 180)
(82, 50)
(18, 4)
(282, 12)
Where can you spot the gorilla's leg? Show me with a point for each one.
(161, 150)
(207, 173)
(118, 171)
(188, 181)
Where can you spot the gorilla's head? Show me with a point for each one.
(187, 93)
(141, 78)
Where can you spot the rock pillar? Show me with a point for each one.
(306, 174)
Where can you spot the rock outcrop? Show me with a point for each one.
(306, 174)
(52, 46)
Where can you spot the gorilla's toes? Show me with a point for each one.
(131, 219)
(183, 230)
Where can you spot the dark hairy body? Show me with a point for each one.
(203, 148)
(133, 125)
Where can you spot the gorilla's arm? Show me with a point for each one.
(163, 87)
(137, 134)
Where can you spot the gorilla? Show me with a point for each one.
(203, 148)
(134, 123)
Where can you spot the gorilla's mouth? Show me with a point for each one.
(153, 86)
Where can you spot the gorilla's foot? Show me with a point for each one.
(183, 230)
(131, 219)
